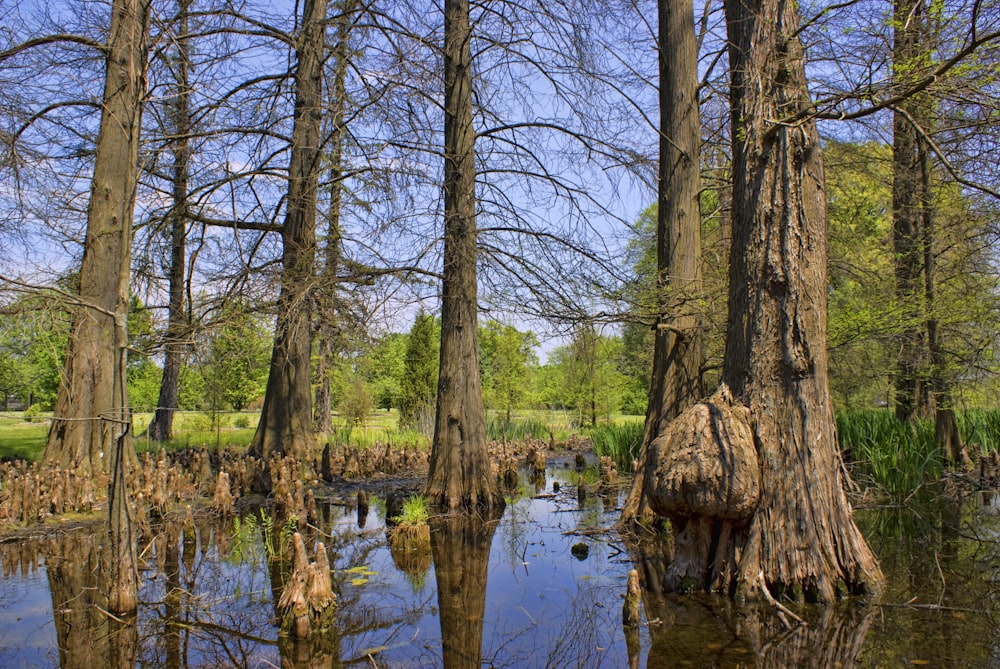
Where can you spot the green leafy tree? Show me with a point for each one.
(235, 365)
(142, 374)
(419, 384)
(507, 364)
(356, 402)
(32, 340)
(387, 369)
(862, 313)
(585, 376)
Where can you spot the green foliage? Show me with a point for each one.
(32, 412)
(250, 536)
(33, 340)
(893, 457)
(387, 369)
(234, 367)
(501, 428)
(414, 512)
(585, 376)
(507, 363)
(356, 403)
(277, 540)
(637, 334)
(980, 429)
(862, 312)
(619, 441)
(865, 315)
(419, 384)
(243, 546)
(144, 379)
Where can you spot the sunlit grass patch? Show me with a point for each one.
(893, 457)
(20, 439)
(619, 441)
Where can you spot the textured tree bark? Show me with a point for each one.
(86, 396)
(906, 214)
(327, 303)
(285, 425)
(677, 350)
(161, 428)
(750, 479)
(802, 537)
(460, 474)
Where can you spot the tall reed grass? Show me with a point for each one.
(516, 429)
(620, 441)
(890, 456)
(980, 429)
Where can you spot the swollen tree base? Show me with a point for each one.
(741, 520)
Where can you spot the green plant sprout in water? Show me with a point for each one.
(244, 547)
(414, 512)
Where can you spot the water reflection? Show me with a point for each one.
(461, 547)
(87, 635)
(505, 593)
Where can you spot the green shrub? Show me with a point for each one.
(32, 412)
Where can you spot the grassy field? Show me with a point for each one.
(895, 458)
(22, 439)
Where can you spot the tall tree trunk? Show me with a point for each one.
(802, 535)
(751, 478)
(86, 397)
(161, 428)
(460, 472)
(285, 425)
(906, 242)
(947, 437)
(326, 298)
(677, 350)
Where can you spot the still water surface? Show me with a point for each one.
(540, 587)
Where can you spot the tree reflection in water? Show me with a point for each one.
(522, 601)
(460, 543)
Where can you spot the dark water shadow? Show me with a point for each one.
(460, 544)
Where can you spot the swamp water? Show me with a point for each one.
(540, 587)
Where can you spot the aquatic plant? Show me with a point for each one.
(894, 458)
(619, 441)
(515, 429)
(414, 512)
(980, 429)
(243, 543)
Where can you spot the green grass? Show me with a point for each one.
(414, 512)
(620, 441)
(20, 439)
(980, 429)
(895, 458)
(498, 428)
